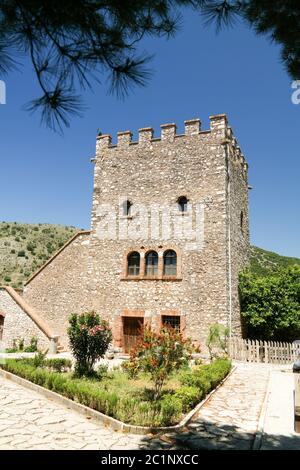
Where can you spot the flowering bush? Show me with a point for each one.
(159, 354)
(89, 339)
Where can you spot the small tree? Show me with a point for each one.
(89, 339)
(159, 354)
(217, 340)
(270, 304)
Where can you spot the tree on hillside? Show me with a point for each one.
(71, 44)
(270, 305)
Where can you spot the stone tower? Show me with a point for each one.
(170, 230)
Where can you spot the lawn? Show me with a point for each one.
(127, 399)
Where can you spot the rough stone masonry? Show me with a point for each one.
(169, 235)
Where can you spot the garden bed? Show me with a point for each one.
(126, 400)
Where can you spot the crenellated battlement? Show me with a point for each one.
(192, 127)
(219, 131)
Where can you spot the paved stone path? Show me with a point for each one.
(29, 421)
(228, 421)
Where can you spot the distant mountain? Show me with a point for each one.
(26, 247)
(263, 262)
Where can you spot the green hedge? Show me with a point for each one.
(206, 377)
(55, 364)
(129, 409)
(59, 364)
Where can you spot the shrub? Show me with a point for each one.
(171, 409)
(58, 364)
(270, 305)
(159, 354)
(39, 376)
(219, 369)
(89, 339)
(30, 246)
(188, 396)
(206, 377)
(58, 384)
(21, 254)
(33, 345)
(217, 340)
(197, 380)
(39, 359)
(131, 367)
(102, 371)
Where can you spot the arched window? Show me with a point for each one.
(151, 265)
(133, 264)
(127, 207)
(182, 202)
(170, 263)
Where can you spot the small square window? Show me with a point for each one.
(171, 320)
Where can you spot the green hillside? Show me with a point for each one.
(25, 247)
(263, 261)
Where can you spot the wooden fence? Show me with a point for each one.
(269, 352)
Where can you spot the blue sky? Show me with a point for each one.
(48, 178)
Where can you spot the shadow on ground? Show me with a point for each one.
(278, 442)
(204, 435)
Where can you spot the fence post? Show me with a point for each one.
(257, 351)
(246, 350)
(266, 359)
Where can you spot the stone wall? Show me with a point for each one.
(61, 286)
(90, 272)
(158, 171)
(18, 324)
(238, 228)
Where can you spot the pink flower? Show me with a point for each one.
(96, 329)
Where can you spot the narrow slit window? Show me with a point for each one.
(1, 326)
(127, 207)
(182, 202)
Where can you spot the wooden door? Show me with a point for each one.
(132, 331)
